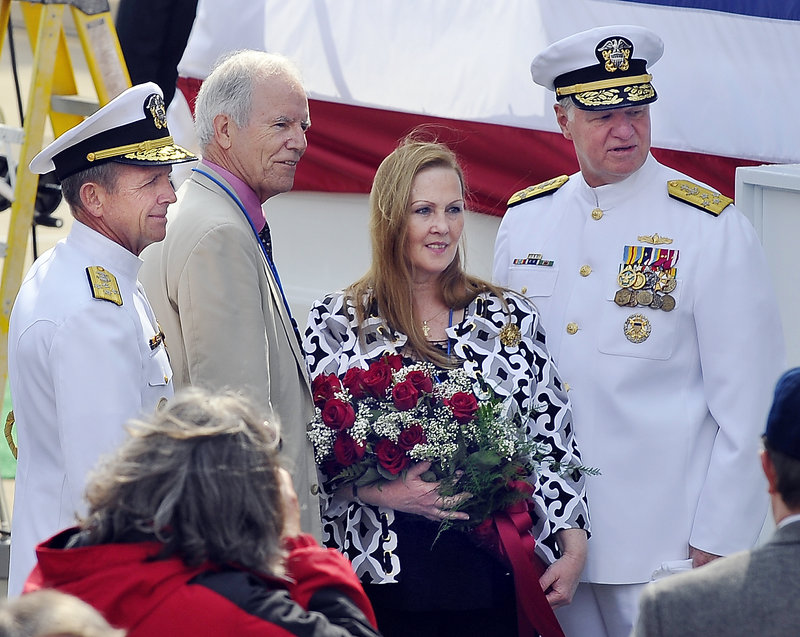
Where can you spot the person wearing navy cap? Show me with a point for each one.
(660, 313)
(753, 592)
(85, 352)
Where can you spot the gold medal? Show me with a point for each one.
(669, 285)
(637, 328)
(626, 277)
(644, 297)
(667, 303)
(622, 297)
(639, 281)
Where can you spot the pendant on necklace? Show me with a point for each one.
(426, 331)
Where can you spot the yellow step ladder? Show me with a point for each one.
(53, 93)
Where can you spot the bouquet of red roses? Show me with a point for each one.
(373, 423)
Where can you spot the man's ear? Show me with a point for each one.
(92, 197)
(769, 471)
(563, 120)
(222, 130)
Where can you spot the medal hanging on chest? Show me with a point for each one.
(647, 278)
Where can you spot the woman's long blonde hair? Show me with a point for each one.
(388, 281)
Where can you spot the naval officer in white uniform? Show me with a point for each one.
(85, 350)
(660, 313)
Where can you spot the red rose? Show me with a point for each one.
(346, 450)
(377, 379)
(323, 388)
(411, 437)
(353, 381)
(395, 361)
(463, 406)
(338, 414)
(391, 456)
(421, 381)
(405, 395)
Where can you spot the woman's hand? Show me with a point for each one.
(411, 494)
(560, 579)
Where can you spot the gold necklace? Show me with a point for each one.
(426, 330)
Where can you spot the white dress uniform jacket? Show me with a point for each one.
(673, 421)
(79, 368)
(225, 319)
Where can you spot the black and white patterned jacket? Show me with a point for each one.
(334, 342)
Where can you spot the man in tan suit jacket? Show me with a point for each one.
(212, 282)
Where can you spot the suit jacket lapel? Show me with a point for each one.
(274, 288)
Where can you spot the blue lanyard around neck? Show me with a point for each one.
(272, 267)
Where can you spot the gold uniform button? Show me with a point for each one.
(314, 489)
(572, 328)
(524, 290)
(566, 387)
(585, 270)
(597, 214)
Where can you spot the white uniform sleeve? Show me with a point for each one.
(97, 369)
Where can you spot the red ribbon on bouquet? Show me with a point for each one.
(516, 544)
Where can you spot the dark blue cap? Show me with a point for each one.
(783, 422)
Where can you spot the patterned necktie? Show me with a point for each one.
(266, 240)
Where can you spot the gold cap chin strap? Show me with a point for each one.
(603, 84)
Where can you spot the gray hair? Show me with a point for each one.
(200, 477)
(569, 107)
(229, 88)
(49, 612)
(105, 174)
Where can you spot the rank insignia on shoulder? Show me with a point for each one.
(539, 190)
(103, 284)
(698, 196)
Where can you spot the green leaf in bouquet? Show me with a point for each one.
(370, 476)
(483, 460)
(385, 474)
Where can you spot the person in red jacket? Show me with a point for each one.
(194, 529)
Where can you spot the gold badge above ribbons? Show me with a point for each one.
(510, 336)
(637, 328)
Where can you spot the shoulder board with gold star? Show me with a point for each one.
(539, 190)
(103, 284)
(698, 196)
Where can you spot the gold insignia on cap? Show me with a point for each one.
(616, 53)
(637, 328)
(104, 284)
(609, 97)
(167, 153)
(156, 107)
(640, 92)
(698, 196)
(539, 190)
(510, 336)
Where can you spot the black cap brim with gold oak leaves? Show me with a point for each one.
(145, 142)
(616, 81)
